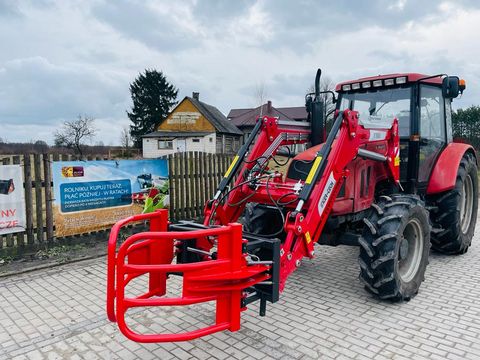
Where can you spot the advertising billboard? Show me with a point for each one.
(12, 199)
(93, 195)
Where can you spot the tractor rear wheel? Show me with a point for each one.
(456, 211)
(394, 247)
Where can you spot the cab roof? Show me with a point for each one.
(411, 78)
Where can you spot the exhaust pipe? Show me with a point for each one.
(317, 115)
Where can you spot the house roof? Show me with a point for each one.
(237, 112)
(296, 112)
(247, 117)
(217, 119)
(175, 134)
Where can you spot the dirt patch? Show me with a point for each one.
(56, 255)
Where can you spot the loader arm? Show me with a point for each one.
(303, 224)
(218, 261)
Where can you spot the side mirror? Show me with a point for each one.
(450, 87)
(308, 104)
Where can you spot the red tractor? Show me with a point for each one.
(386, 177)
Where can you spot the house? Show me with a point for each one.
(192, 126)
(244, 119)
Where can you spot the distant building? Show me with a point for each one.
(244, 119)
(192, 126)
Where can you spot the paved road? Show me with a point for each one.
(323, 313)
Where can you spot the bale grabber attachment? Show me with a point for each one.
(222, 278)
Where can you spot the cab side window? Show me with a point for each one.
(432, 113)
(432, 129)
(448, 118)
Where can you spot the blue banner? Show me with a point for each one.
(95, 195)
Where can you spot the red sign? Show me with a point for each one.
(12, 199)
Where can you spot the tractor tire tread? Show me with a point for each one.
(371, 227)
(366, 246)
(409, 204)
(388, 218)
(385, 237)
(379, 250)
(385, 197)
(377, 208)
(365, 268)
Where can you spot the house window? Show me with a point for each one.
(196, 140)
(165, 144)
(211, 139)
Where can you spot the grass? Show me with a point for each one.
(62, 252)
(4, 260)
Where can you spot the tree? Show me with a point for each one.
(466, 125)
(153, 97)
(40, 146)
(73, 134)
(125, 139)
(260, 96)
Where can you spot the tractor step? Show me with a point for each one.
(223, 280)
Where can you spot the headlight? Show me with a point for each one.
(388, 82)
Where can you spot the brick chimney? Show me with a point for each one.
(196, 95)
(269, 107)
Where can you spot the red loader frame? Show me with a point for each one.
(221, 280)
(225, 269)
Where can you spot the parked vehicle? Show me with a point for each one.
(387, 177)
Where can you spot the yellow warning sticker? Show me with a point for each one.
(397, 161)
(230, 168)
(315, 165)
(307, 236)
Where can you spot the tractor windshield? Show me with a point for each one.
(377, 109)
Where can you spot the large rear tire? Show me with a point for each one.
(455, 212)
(394, 247)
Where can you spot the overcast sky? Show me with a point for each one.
(59, 59)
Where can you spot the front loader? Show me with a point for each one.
(386, 177)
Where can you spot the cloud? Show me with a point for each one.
(166, 27)
(37, 91)
(62, 59)
(8, 9)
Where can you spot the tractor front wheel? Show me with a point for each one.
(394, 247)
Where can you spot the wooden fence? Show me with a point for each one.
(193, 179)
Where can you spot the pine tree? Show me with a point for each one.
(466, 125)
(153, 97)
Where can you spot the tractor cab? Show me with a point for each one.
(422, 106)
